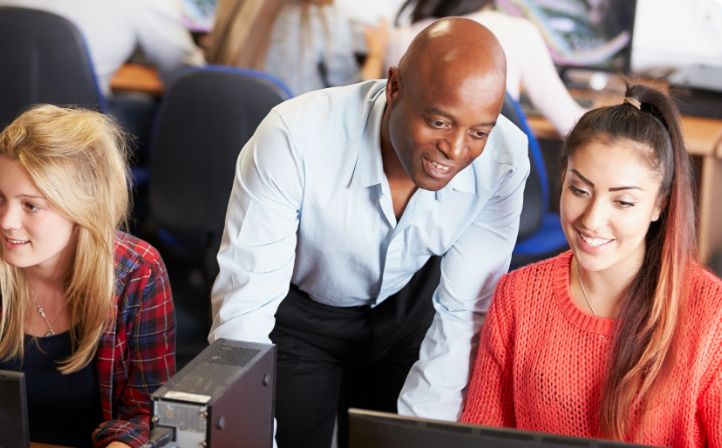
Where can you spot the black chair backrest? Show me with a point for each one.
(43, 59)
(206, 117)
(535, 206)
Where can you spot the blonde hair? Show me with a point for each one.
(242, 30)
(78, 160)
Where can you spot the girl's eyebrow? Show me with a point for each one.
(590, 183)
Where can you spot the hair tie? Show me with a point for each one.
(633, 101)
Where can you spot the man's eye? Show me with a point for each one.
(438, 124)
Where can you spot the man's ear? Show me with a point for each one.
(393, 86)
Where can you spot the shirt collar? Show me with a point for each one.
(369, 167)
(464, 182)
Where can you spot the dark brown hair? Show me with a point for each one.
(437, 9)
(649, 311)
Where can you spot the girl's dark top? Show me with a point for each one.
(63, 409)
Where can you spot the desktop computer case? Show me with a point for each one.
(223, 398)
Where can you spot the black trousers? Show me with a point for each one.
(330, 358)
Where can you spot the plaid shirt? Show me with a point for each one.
(136, 354)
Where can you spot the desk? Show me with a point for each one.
(703, 137)
(137, 78)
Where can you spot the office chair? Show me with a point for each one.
(540, 231)
(205, 118)
(44, 60)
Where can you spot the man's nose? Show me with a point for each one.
(455, 145)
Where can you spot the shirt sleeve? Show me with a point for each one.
(163, 38)
(489, 400)
(470, 270)
(258, 248)
(148, 325)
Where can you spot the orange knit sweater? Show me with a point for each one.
(542, 362)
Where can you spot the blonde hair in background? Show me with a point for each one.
(242, 30)
(78, 160)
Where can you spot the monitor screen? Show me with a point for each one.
(589, 34)
(383, 430)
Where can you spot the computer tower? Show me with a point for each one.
(223, 398)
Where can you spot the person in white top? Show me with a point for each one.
(528, 61)
(113, 29)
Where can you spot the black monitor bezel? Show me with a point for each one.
(418, 432)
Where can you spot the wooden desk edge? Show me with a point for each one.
(703, 136)
(137, 78)
(718, 146)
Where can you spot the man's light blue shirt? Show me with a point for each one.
(311, 205)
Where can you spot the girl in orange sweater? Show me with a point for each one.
(621, 337)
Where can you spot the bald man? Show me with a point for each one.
(366, 231)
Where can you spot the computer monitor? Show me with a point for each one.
(680, 40)
(382, 430)
(198, 15)
(14, 432)
(586, 34)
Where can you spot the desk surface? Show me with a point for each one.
(703, 136)
(137, 78)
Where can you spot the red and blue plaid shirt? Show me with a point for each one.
(136, 354)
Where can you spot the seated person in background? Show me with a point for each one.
(621, 337)
(307, 44)
(349, 196)
(529, 64)
(369, 11)
(114, 29)
(86, 309)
